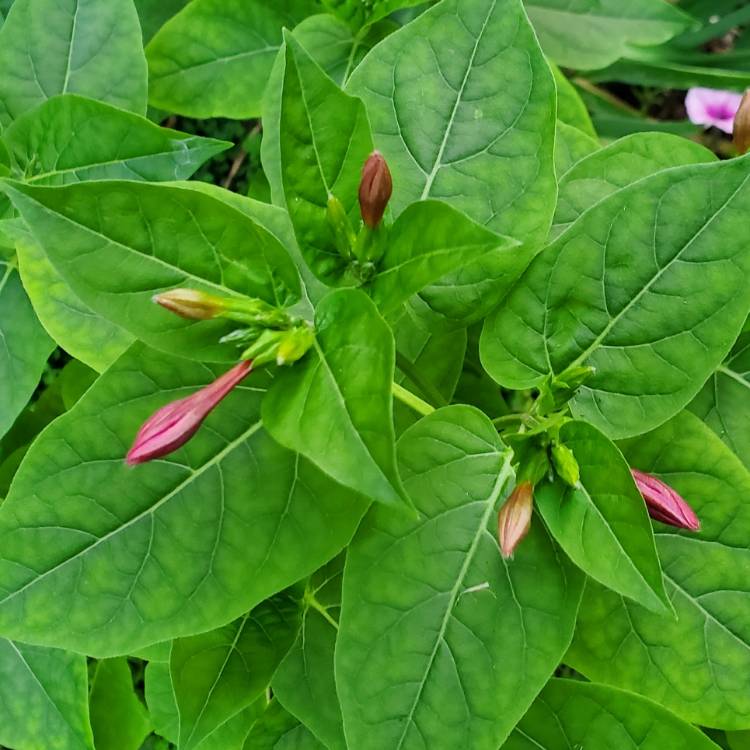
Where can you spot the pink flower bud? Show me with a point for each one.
(375, 189)
(189, 303)
(663, 503)
(741, 132)
(514, 519)
(174, 424)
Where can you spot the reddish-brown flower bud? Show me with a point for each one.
(375, 189)
(741, 127)
(663, 503)
(174, 424)
(514, 519)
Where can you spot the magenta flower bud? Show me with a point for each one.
(375, 189)
(663, 503)
(174, 424)
(514, 519)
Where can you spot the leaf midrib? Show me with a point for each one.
(502, 477)
(193, 475)
(646, 288)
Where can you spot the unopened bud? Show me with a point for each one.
(514, 519)
(173, 425)
(343, 234)
(294, 345)
(566, 465)
(741, 129)
(190, 303)
(375, 189)
(663, 503)
(265, 348)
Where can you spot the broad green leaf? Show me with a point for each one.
(603, 525)
(270, 728)
(73, 325)
(161, 701)
(358, 14)
(335, 405)
(71, 139)
(218, 674)
(43, 699)
(589, 34)
(231, 734)
(738, 740)
(118, 718)
(571, 109)
(724, 402)
(573, 714)
(304, 683)
(158, 652)
(213, 58)
(156, 237)
(462, 105)
(571, 145)
(168, 549)
(696, 665)
(442, 643)
(87, 47)
(335, 46)
(618, 165)
(25, 347)
(429, 356)
(153, 14)
(611, 293)
(325, 141)
(430, 240)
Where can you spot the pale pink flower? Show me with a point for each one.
(663, 503)
(711, 107)
(514, 519)
(174, 424)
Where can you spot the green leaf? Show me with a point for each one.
(573, 714)
(70, 139)
(590, 34)
(571, 109)
(724, 402)
(335, 46)
(335, 405)
(153, 14)
(231, 734)
(218, 674)
(603, 525)
(213, 58)
(304, 683)
(25, 347)
(695, 665)
(325, 141)
(450, 97)
(157, 237)
(168, 549)
(442, 644)
(571, 145)
(74, 326)
(118, 718)
(618, 165)
(612, 291)
(43, 699)
(358, 14)
(161, 701)
(86, 47)
(430, 240)
(429, 357)
(157, 652)
(279, 730)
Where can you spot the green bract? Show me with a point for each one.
(436, 437)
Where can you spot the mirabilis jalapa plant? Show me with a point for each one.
(383, 455)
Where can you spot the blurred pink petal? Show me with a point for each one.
(712, 108)
(173, 425)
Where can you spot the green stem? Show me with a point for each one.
(419, 380)
(412, 401)
(509, 418)
(313, 603)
